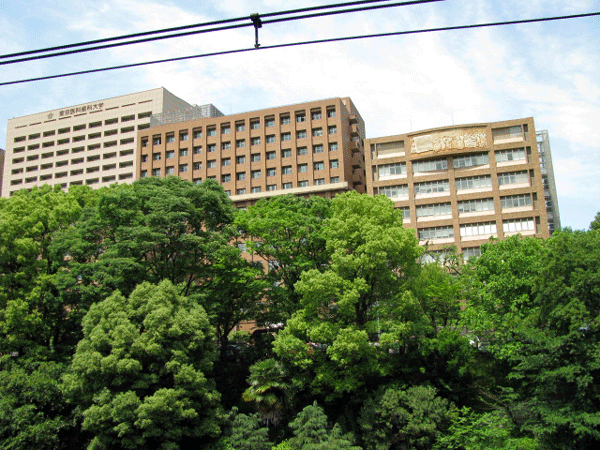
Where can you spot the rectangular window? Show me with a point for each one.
(389, 170)
(286, 136)
(471, 252)
(269, 122)
(476, 205)
(240, 126)
(183, 136)
(254, 124)
(255, 141)
(478, 159)
(271, 172)
(482, 181)
(288, 185)
(240, 159)
(438, 209)
(170, 154)
(478, 229)
(505, 179)
(156, 156)
(426, 234)
(170, 170)
(303, 183)
(513, 154)
(197, 150)
(225, 145)
(170, 138)
(315, 115)
(287, 153)
(286, 170)
(226, 178)
(334, 164)
(254, 157)
(394, 192)
(226, 162)
(241, 191)
(271, 155)
(285, 120)
(318, 165)
(255, 174)
(317, 132)
(330, 112)
(271, 187)
(431, 187)
(333, 146)
(515, 201)
(212, 148)
(211, 131)
(198, 133)
(430, 166)
(198, 166)
(319, 181)
(211, 164)
(240, 143)
(317, 148)
(270, 139)
(301, 134)
(518, 225)
(335, 179)
(302, 168)
(156, 172)
(300, 117)
(240, 176)
(302, 151)
(255, 189)
(225, 129)
(332, 129)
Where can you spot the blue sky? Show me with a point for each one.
(550, 71)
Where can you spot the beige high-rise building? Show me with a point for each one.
(461, 185)
(305, 149)
(1, 168)
(92, 143)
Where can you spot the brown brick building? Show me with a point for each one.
(308, 148)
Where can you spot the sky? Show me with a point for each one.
(549, 71)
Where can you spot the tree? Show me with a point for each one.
(595, 225)
(247, 433)
(140, 371)
(286, 232)
(401, 419)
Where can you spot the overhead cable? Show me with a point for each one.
(296, 44)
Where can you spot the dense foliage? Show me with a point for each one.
(118, 309)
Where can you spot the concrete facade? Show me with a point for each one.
(1, 168)
(463, 184)
(305, 149)
(92, 143)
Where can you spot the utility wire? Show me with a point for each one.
(296, 44)
(227, 24)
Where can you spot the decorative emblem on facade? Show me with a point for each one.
(445, 141)
(50, 116)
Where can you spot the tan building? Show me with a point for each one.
(461, 185)
(92, 143)
(1, 168)
(308, 148)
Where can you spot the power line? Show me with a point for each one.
(227, 24)
(296, 44)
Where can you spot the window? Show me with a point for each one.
(317, 148)
(271, 155)
(333, 146)
(513, 178)
(285, 120)
(334, 164)
(479, 204)
(271, 172)
(286, 136)
(225, 129)
(92, 125)
(288, 185)
(315, 115)
(317, 132)
(211, 131)
(330, 112)
(198, 133)
(431, 187)
(287, 153)
(197, 180)
(170, 154)
(513, 154)
(507, 134)
(211, 164)
(271, 187)
(156, 140)
(254, 157)
(430, 166)
(254, 124)
(156, 172)
(240, 126)
(335, 179)
(183, 152)
(226, 162)
(156, 156)
(394, 192)
(482, 181)
(319, 165)
(302, 151)
(241, 191)
(303, 183)
(143, 174)
(240, 176)
(302, 168)
(319, 181)
(255, 174)
(478, 159)
(240, 159)
(240, 143)
(300, 117)
(270, 122)
(390, 170)
(286, 170)
(515, 201)
(226, 178)
(198, 166)
(478, 229)
(127, 129)
(197, 150)
(225, 145)
(170, 138)
(255, 141)
(301, 134)
(183, 136)
(332, 129)
(170, 170)
(436, 233)
(212, 148)
(270, 139)
(255, 189)
(518, 225)
(438, 209)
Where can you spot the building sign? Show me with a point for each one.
(81, 109)
(445, 141)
